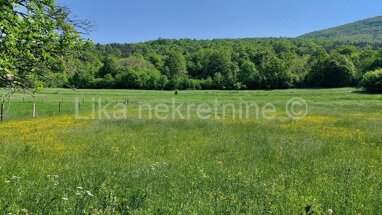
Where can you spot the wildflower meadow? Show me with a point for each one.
(327, 162)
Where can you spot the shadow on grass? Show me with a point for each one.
(366, 92)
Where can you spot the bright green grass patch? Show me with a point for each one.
(329, 160)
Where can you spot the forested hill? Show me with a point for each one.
(367, 29)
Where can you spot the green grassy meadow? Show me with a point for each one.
(328, 162)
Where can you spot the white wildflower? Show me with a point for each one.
(89, 193)
(8, 77)
(53, 176)
(80, 188)
(15, 177)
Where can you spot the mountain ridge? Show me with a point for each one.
(369, 29)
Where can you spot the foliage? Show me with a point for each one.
(372, 81)
(248, 63)
(35, 36)
(332, 71)
(376, 63)
(109, 67)
(175, 65)
(275, 74)
(249, 75)
(364, 30)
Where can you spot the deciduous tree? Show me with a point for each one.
(35, 35)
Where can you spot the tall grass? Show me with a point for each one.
(328, 162)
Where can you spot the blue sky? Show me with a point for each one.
(141, 20)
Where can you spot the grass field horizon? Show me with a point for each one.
(326, 162)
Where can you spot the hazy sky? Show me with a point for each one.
(141, 20)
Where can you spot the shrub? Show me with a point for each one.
(372, 81)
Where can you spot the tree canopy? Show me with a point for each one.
(35, 37)
(249, 63)
(372, 81)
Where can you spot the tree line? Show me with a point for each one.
(242, 64)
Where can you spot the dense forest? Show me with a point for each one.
(221, 64)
